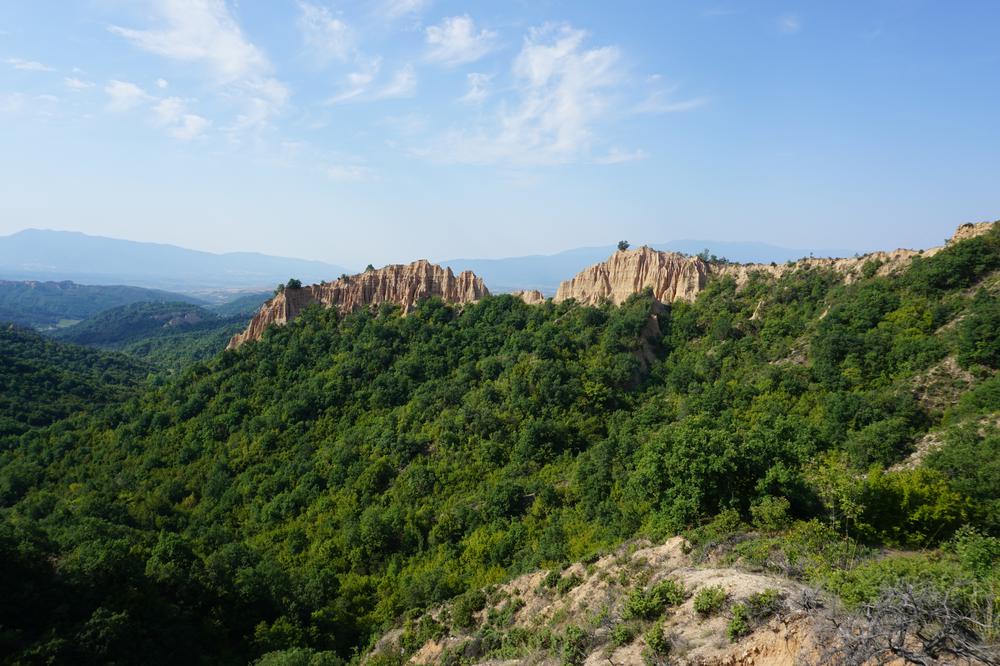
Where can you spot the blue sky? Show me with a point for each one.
(389, 130)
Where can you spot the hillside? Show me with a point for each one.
(51, 304)
(38, 254)
(43, 381)
(298, 496)
(164, 334)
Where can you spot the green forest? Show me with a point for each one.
(289, 501)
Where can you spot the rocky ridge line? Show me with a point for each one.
(399, 284)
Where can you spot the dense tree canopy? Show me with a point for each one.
(303, 491)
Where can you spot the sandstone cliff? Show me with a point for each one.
(676, 277)
(398, 284)
(670, 275)
(529, 296)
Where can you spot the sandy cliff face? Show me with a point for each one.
(670, 275)
(675, 277)
(399, 284)
(529, 296)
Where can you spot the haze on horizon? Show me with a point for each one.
(416, 128)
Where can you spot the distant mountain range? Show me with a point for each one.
(545, 272)
(36, 254)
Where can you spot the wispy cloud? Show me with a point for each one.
(478, 89)
(789, 24)
(664, 100)
(124, 95)
(455, 41)
(562, 91)
(328, 36)
(619, 156)
(28, 65)
(172, 114)
(396, 9)
(204, 32)
(76, 84)
(350, 173)
(366, 85)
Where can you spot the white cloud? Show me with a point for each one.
(350, 173)
(162, 84)
(330, 37)
(364, 85)
(478, 89)
(124, 96)
(172, 114)
(455, 41)
(562, 91)
(618, 156)
(659, 101)
(200, 31)
(28, 65)
(395, 9)
(402, 84)
(789, 24)
(76, 84)
(204, 32)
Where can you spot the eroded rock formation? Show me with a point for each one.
(670, 275)
(676, 277)
(398, 284)
(529, 296)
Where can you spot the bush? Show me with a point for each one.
(710, 600)
(574, 646)
(749, 614)
(568, 583)
(649, 604)
(657, 645)
(770, 514)
(465, 607)
(622, 634)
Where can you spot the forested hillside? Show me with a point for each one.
(168, 335)
(42, 381)
(304, 492)
(48, 304)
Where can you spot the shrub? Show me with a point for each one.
(739, 623)
(649, 604)
(568, 583)
(750, 613)
(293, 283)
(657, 645)
(574, 646)
(622, 634)
(465, 608)
(551, 579)
(710, 600)
(770, 514)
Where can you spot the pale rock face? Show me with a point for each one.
(675, 277)
(530, 296)
(671, 276)
(398, 284)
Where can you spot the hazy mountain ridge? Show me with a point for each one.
(65, 255)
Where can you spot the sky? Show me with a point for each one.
(387, 130)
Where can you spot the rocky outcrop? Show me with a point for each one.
(676, 277)
(398, 284)
(530, 296)
(671, 276)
